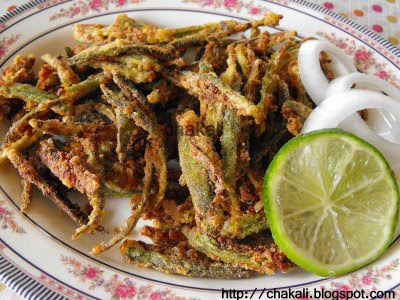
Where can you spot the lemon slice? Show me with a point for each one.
(331, 201)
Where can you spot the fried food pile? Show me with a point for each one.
(185, 121)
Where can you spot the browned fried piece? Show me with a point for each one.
(69, 168)
(203, 150)
(215, 55)
(47, 77)
(20, 70)
(179, 259)
(265, 258)
(70, 128)
(169, 214)
(73, 172)
(28, 172)
(123, 28)
(144, 117)
(295, 113)
(162, 92)
(325, 65)
(163, 236)
(253, 84)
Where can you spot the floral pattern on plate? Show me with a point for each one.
(116, 286)
(6, 42)
(367, 281)
(82, 8)
(363, 58)
(7, 219)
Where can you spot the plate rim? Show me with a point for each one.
(314, 7)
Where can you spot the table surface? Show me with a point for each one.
(381, 16)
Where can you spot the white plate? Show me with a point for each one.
(40, 242)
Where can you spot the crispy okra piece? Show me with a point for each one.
(229, 145)
(131, 73)
(21, 70)
(162, 92)
(70, 128)
(65, 73)
(123, 28)
(137, 254)
(19, 137)
(136, 107)
(202, 148)
(126, 128)
(137, 203)
(231, 76)
(73, 173)
(253, 84)
(117, 48)
(214, 90)
(258, 259)
(78, 90)
(195, 176)
(244, 225)
(27, 195)
(245, 57)
(25, 92)
(28, 172)
(295, 113)
(18, 143)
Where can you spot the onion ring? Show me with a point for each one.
(311, 74)
(340, 111)
(384, 123)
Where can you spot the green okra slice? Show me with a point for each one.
(213, 89)
(83, 88)
(240, 255)
(126, 128)
(231, 76)
(137, 254)
(195, 176)
(25, 92)
(123, 27)
(117, 48)
(70, 128)
(133, 74)
(229, 145)
(253, 84)
(65, 73)
(135, 106)
(244, 225)
(297, 108)
(17, 140)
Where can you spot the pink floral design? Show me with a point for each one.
(155, 296)
(364, 59)
(7, 219)
(115, 286)
(370, 280)
(233, 5)
(82, 8)
(125, 291)
(6, 42)
(91, 273)
(95, 4)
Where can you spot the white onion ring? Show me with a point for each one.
(340, 109)
(311, 74)
(384, 123)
